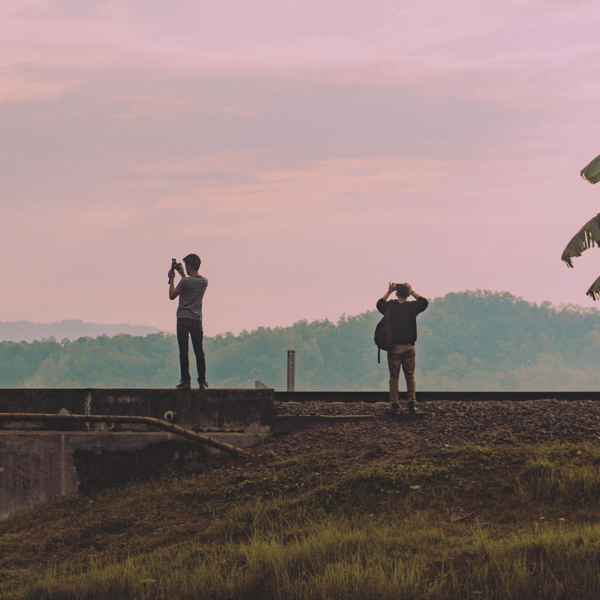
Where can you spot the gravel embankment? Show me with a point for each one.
(446, 424)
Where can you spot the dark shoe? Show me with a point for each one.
(183, 385)
(203, 385)
(394, 407)
(411, 407)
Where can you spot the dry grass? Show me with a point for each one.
(473, 522)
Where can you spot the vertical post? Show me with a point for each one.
(291, 371)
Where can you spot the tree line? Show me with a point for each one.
(467, 341)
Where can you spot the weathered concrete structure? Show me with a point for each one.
(207, 410)
(38, 464)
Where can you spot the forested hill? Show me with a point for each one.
(469, 340)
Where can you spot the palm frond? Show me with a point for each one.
(594, 291)
(591, 172)
(587, 237)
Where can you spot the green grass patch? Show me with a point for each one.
(471, 522)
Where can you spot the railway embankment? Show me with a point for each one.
(479, 500)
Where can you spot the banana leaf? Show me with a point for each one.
(594, 291)
(591, 172)
(587, 237)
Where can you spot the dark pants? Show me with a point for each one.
(193, 329)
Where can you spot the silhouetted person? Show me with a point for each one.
(189, 317)
(404, 335)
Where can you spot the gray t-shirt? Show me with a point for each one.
(191, 291)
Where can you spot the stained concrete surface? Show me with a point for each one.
(38, 464)
(202, 410)
(38, 467)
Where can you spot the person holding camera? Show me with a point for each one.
(190, 290)
(403, 317)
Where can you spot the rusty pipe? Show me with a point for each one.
(151, 421)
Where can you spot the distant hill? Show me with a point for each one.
(72, 329)
(467, 341)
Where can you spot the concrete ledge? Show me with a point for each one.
(250, 411)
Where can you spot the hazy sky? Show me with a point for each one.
(308, 150)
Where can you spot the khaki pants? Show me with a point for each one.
(404, 357)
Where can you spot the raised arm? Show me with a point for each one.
(390, 290)
(382, 302)
(173, 292)
(414, 294)
(423, 303)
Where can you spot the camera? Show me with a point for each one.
(175, 266)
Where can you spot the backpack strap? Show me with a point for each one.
(388, 314)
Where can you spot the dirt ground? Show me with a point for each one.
(444, 424)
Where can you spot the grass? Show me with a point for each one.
(472, 522)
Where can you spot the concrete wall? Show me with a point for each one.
(207, 410)
(38, 464)
(38, 467)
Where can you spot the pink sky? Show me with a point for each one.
(308, 150)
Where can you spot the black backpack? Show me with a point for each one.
(383, 334)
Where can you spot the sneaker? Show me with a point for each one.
(411, 407)
(203, 385)
(394, 407)
(183, 385)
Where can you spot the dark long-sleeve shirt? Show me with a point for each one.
(404, 318)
